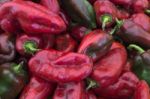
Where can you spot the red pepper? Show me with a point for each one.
(42, 21)
(37, 89)
(65, 68)
(26, 44)
(107, 12)
(65, 17)
(122, 89)
(128, 65)
(142, 20)
(95, 44)
(107, 70)
(65, 43)
(74, 90)
(52, 5)
(89, 95)
(142, 91)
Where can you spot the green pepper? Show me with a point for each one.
(80, 11)
(141, 65)
(12, 80)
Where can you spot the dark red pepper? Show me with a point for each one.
(107, 12)
(65, 68)
(26, 44)
(37, 89)
(142, 91)
(42, 21)
(65, 43)
(107, 70)
(74, 90)
(95, 44)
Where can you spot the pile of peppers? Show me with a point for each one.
(74, 49)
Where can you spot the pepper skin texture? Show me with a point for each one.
(142, 20)
(124, 88)
(74, 90)
(81, 11)
(105, 7)
(89, 95)
(66, 68)
(52, 5)
(128, 65)
(95, 44)
(106, 71)
(142, 91)
(37, 89)
(65, 43)
(130, 30)
(7, 48)
(26, 44)
(42, 21)
(11, 75)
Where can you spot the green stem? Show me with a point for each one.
(106, 18)
(91, 84)
(17, 67)
(137, 48)
(147, 11)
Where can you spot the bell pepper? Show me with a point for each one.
(78, 32)
(89, 95)
(37, 89)
(130, 30)
(80, 11)
(65, 17)
(95, 44)
(73, 90)
(128, 65)
(107, 70)
(65, 43)
(27, 45)
(12, 80)
(124, 88)
(65, 68)
(7, 48)
(43, 21)
(107, 12)
(142, 91)
(52, 5)
(142, 20)
(141, 62)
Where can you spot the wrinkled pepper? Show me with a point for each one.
(42, 21)
(107, 12)
(12, 80)
(37, 89)
(141, 65)
(27, 45)
(7, 48)
(107, 70)
(95, 44)
(80, 11)
(142, 91)
(65, 68)
(65, 43)
(74, 90)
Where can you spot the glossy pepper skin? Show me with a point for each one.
(107, 12)
(37, 88)
(65, 43)
(74, 90)
(130, 30)
(106, 71)
(65, 68)
(11, 75)
(52, 5)
(95, 44)
(142, 91)
(81, 11)
(43, 21)
(7, 48)
(27, 45)
(124, 88)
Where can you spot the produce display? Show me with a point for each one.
(74, 49)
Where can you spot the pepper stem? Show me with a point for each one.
(30, 47)
(106, 18)
(91, 84)
(137, 48)
(17, 67)
(147, 11)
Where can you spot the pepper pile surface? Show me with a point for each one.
(74, 49)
